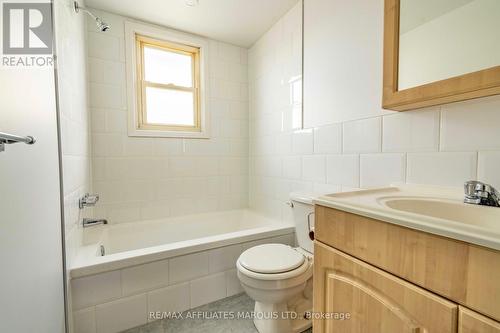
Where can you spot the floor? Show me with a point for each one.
(231, 305)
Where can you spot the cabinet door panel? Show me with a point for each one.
(371, 310)
(375, 301)
(472, 322)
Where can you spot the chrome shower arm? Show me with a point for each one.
(103, 26)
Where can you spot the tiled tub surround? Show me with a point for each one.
(145, 178)
(117, 291)
(443, 145)
(72, 95)
(71, 52)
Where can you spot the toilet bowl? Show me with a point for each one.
(279, 277)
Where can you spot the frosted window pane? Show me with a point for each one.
(170, 107)
(165, 67)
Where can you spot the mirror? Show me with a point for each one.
(440, 51)
(440, 39)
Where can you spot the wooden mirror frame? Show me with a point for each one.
(468, 86)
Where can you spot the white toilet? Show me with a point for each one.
(279, 277)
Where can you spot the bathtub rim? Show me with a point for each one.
(86, 267)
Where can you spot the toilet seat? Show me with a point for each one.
(303, 272)
(287, 277)
(271, 259)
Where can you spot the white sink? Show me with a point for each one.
(447, 210)
(431, 209)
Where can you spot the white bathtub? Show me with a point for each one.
(173, 264)
(135, 243)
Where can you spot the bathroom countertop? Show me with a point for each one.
(436, 210)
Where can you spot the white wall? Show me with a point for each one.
(354, 145)
(144, 178)
(72, 94)
(31, 278)
(274, 62)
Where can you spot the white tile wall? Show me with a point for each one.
(343, 170)
(208, 289)
(381, 169)
(84, 321)
(314, 168)
(188, 267)
(96, 289)
(121, 314)
(302, 142)
(292, 167)
(362, 136)
(74, 121)
(143, 277)
(488, 167)
(411, 131)
(134, 175)
(223, 258)
(472, 125)
(233, 285)
(273, 62)
(443, 145)
(122, 299)
(170, 299)
(447, 169)
(328, 139)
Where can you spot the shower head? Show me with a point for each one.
(103, 26)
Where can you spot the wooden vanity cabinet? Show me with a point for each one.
(375, 301)
(392, 279)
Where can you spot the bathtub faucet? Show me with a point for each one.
(88, 200)
(92, 222)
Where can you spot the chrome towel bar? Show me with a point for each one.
(6, 138)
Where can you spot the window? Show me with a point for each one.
(168, 81)
(167, 94)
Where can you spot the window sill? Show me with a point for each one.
(168, 134)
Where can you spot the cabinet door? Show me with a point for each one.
(461, 272)
(472, 322)
(359, 298)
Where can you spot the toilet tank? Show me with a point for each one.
(302, 208)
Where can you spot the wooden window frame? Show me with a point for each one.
(169, 39)
(142, 84)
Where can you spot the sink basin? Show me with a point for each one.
(432, 209)
(447, 210)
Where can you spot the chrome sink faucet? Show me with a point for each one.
(478, 193)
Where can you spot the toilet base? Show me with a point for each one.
(286, 317)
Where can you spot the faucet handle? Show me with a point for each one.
(470, 187)
(88, 200)
(476, 188)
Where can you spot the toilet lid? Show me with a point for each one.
(271, 258)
